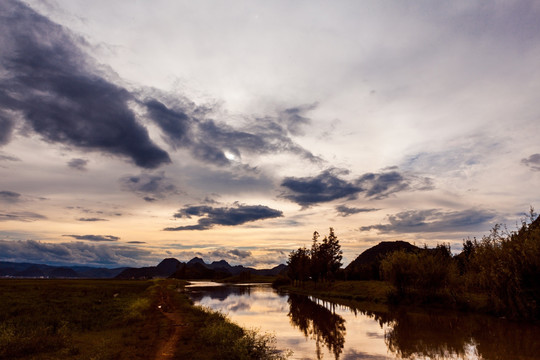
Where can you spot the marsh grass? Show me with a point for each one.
(116, 319)
(77, 319)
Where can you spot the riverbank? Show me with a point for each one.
(104, 319)
(371, 293)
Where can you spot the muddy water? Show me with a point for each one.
(314, 329)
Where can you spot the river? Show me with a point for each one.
(315, 329)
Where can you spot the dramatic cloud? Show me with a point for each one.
(24, 216)
(327, 186)
(91, 219)
(175, 125)
(344, 210)
(94, 237)
(136, 242)
(532, 161)
(9, 196)
(221, 144)
(381, 185)
(150, 187)
(78, 164)
(433, 220)
(6, 128)
(227, 216)
(71, 253)
(54, 87)
(58, 91)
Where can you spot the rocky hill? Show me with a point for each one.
(366, 265)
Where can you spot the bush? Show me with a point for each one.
(429, 271)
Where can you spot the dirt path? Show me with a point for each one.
(167, 349)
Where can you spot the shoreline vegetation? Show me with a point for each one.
(118, 319)
(497, 275)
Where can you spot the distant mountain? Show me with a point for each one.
(31, 270)
(195, 268)
(168, 266)
(164, 269)
(63, 272)
(366, 265)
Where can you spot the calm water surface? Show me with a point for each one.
(314, 329)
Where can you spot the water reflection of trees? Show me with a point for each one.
(442, 335)
(317, 322)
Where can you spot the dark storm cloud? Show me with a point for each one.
(381, 185)
(78, 164)
(9, 196)
(175, 124)
(150, 187)
(433, 220)
(92, 219)
(94, 237)
(70, 253)
(227, 216)
(54, 87)
(533, 162)
(344, 210)
(58, 91)
(209, 140)
(24, 216)
(6, 128)
(328, 186)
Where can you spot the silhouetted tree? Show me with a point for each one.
(322, 261)
(299, 265)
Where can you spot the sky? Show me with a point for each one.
(135, 131)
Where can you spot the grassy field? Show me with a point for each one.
(78, 319)
(117, 319)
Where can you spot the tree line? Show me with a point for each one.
(499, 273)
(320, 263)
(502, 269)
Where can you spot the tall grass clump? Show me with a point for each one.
(231, 342)
(505, 265)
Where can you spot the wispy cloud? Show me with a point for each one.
(78, 164)
(93, 219)
(9, 196)
(433, 220)
(150, 187)
(220, 144)
(344, 210)
(24, 216)
(533, 162)
(94, 237)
